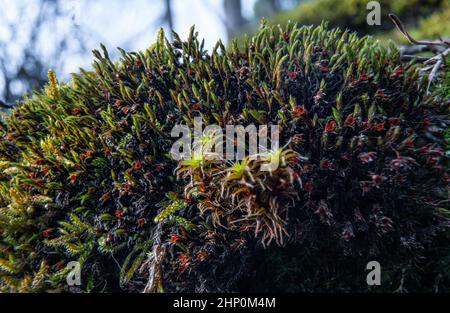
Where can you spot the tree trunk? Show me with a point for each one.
(234, 20)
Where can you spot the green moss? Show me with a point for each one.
(86, 173)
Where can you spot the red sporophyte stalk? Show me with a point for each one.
(433, 160)
(293, 75)
(400, 162)
(347, 233)
(425, 150)
(141, 222)
(380, 93)
(299, 111)
(201, 256)
(295, 161)
(60, 265)
(367, 157)
(350, 120)
(39, 162)
(89, 153)
(298, 138)
(399, 178)
(379, 127)
(184, 262)
(105, 197)
(309, 186)
(324, 214)
(378, 180)
(437, 151)
(118, 103)
(330, 126)
(244, 71)
(109, 238)
(76, 111)
(366, 125)
(107, 151)
(125, 110)
(394, 121)
(174, 238)
(363, 77)
(119, 213)
(137, 165)
(127, 186)
(90, 190)
(308, 168)
(73, 178)
(398, 72)
(46, 233)
(346, 156)
(318, 97)
(385, 223)
(324, 68)
(397, 163)
(189, 199)
(409, 144)
(358, 216)
(327, 165)
(426, 122)
(446, 178)
(366, 186)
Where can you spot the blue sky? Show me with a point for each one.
(131, 24)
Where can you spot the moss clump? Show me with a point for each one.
(86, 175)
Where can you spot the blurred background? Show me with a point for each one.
(36, 35)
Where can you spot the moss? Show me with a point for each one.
(86, 173)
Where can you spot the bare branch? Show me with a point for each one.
(440, 48)
(411, 40)
(5, 105)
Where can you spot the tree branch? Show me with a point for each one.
(411, 40)
(5, 105)
(440, 48)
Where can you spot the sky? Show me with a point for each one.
(131, 24)
(124, 18)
